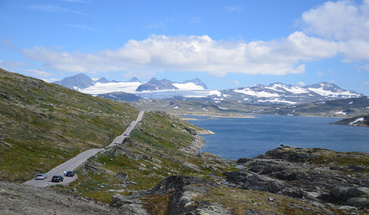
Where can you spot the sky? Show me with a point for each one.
(227, 44)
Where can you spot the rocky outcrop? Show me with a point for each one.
(355, 121)
(183, 190)
(321, 176)
(195, 146)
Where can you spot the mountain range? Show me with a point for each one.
(275, 93)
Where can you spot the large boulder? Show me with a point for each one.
(183, 190)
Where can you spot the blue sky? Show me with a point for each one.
(227, 44)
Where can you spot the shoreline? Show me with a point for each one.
(195, 146)
(198, 143)
(188, 117)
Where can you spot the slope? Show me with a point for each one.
(43, 125)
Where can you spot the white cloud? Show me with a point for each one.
(345, 22)
(193, 53)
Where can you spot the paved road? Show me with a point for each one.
(120, 139)
(79, 159)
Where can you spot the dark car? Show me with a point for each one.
(69, 174)
(57, 178)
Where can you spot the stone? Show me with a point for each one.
(122, 176)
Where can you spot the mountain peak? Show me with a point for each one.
(134, 79)
(79, 81)
(155, 84)
(198, 82)
(103, 80)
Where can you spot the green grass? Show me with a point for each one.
(237, 201)
(43, 125)
(150, 154)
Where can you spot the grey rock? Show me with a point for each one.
(122, 176)
(358, 202)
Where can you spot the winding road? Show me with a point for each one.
(79, 159)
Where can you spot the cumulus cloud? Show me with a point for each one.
(193, 53)
(345, 22)
(332, 29)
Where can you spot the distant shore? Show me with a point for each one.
(214, 115)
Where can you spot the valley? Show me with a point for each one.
(158, 169)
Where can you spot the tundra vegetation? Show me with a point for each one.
(158, 169)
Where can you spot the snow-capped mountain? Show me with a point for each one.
(134, 86)
(85, 84)
(279, 93)
(155, 84)
(276, 93)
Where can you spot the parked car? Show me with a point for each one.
(69, 174)
(41, 176)
(57, 178)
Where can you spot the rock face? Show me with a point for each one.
(79, 81)
(183, 190)
(155, 84)
(318, 175)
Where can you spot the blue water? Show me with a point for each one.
(249, 137)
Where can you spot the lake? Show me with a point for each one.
(249, 137)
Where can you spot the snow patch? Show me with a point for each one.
(188, 86)
(292, 89)
(262, 94)
(358, 120)
(277, 100)
(223, 108)
(321, 91)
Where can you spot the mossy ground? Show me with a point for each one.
(151, 154)
(240, 201)
(43, 125)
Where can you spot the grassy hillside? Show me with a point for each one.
(153, 152)
(43, 125)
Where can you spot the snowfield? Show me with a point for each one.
(321, 91)
(188, 86)
(102, 88)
